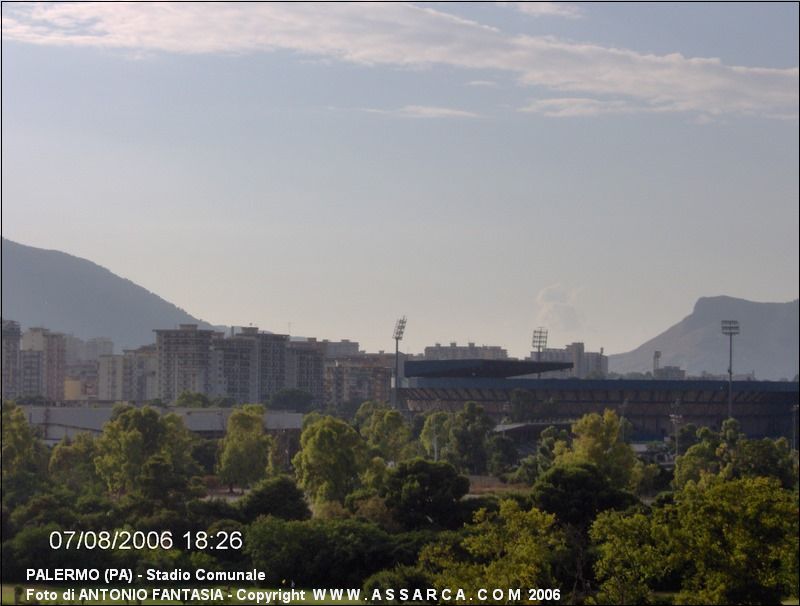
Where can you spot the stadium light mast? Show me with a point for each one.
(399, 331)
(730, 328)
(538, 343)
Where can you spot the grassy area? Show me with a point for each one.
(8, 596)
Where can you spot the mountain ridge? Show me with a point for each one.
(767, 345)
(67, 293)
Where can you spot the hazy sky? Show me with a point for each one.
(483, 169)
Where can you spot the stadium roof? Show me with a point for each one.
(487, 369)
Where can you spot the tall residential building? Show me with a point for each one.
(584, 363)
(80, 381)
(97, 346)
(52, 349)
(272, 365)
(10, 359)
(79, 351)
(305, 368)
(465, 352)
(184, 361)
(31, 373)
(358, 379)
(131, 376)
(341, 349)
(235, 362)
(250, 366)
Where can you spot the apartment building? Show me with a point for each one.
(43, 352)
(305, 368)
(184, 361)
(358, 379)
(10, 359)
(132, 376)
(584, 363)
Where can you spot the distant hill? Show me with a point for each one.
(768, 344)
(72, 295)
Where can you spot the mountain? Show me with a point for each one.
(768, 344)
(72, 295)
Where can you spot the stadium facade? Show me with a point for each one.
(763, 408)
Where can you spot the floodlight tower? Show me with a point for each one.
(399, 330)
(539, 342)
(730, 328)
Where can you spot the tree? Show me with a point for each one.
(365, 412)
(190, 399)
(24, 457)
(501, 454)
(598, 440)
(730, 455)
(468, 434)
(319, 553)
(508, 548)
(551, 441)
(387, 432)
(331, 457)
(244, 451)
(422, 493)
(297, 400)
(629, 560)
(277, 497)
(132, 438)
(435, 435)
(576, 493)
(72, 463)
(737, 539)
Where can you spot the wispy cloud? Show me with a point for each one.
(609, 80)
(572, 107)
(484, 83)
(549, 9)
(424, 111)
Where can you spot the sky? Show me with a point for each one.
(483, 169)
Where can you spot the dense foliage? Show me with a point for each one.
(381, 501)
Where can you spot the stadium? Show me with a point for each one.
(763, 408)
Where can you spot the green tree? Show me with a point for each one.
(132, 438)
(435, 435)
(551, 441)
(277, 497)
(319, 553)
(468, 434)
(730, 455)
(501, 454)
(598, 440)
(190, 399)
(737, 540)
(72, 463)
(24, 457)
(365, 412)
(629, 559)
(422, 493)
(244, 451)
(331, 457)
(387, 432)
(508, 548)
(576, 493)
